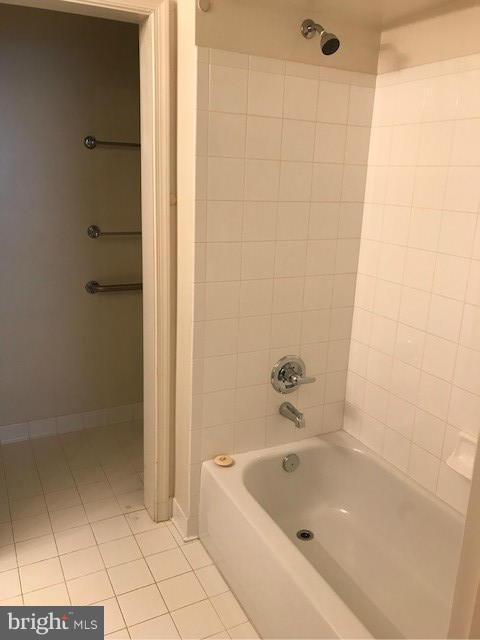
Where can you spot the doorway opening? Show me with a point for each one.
(72, 371)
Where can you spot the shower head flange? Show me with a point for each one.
(310, 28)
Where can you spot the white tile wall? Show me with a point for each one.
(281, 169)
(415, 354)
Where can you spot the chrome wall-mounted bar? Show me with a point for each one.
(91, 142)
(95, 232)
(94, 287)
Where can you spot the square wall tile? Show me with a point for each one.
(333, 98)
(300, 100)
(265, 94)
(264, 138)
(226, 135)
(228, 89)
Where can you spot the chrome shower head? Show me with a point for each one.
(329, 43)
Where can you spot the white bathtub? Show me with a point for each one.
(383, 560)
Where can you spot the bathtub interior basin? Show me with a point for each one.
(381, 546)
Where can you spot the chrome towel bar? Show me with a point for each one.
(91, 142)
(94, 287)
(94, 232)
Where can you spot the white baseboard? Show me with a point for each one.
(72, 422)
(183, 523)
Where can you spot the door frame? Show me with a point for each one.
(154, 18)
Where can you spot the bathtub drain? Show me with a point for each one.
(305, 534)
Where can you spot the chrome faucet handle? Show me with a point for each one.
(288, 374)
(298, 380)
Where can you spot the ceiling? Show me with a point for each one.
(381, 13)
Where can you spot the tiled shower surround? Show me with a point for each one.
(282, 161)
(291, 171)
(414, 371)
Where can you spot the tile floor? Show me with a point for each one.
(73, 529)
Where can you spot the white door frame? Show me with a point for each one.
(159, 303)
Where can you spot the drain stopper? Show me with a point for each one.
(305, 534)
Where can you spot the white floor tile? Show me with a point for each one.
(181, 591)
(122, 483)
(9, 584)
(161, 628)
(88, 475)
(121, 634)
(196, 554)
(156, 540)
(4, 511)
(62, 499)
(96, 491)
(129, 576)
(24, 490)
(36, 549)
(211, 580)
(6, 534)
(68, 518)
(40, 575)
(111, 529)
(168, 564)
(132, 501)
(102, 509)
(32, 527)
(244, 631)
(51, 596)
(90, 589)
(197, 620)
(57, 482)
(80, 563)
(228, 609)
(90, 478)
(75, 539)
(140, 521)
(120, 551)
(27, 507)
(16, 601)
(8, 558)
(113, 619)
(142, 604)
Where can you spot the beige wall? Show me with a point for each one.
(64, 351)
(263, 28)
(449, 32)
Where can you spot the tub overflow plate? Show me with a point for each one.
(290, 462)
